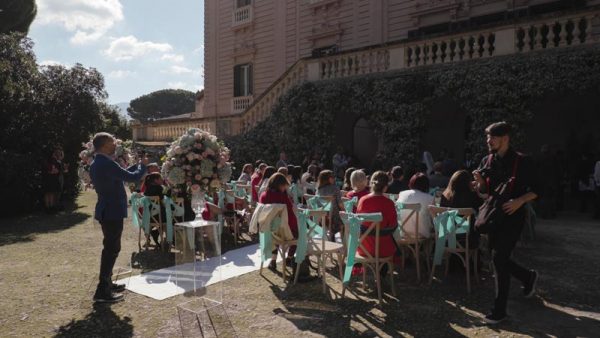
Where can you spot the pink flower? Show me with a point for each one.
(178, 150)
(198, 177)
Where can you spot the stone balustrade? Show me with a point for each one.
(242, 16)
(549, 33)
(241, 103)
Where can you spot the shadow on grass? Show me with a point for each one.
(102, 321)
(25, 228)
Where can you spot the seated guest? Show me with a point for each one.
(377, 202)
(263, 186)
(276, 193)
(309, 177)
(151, 168)
(437, 179)
(460, 194)
(154, 186)
(245, 177)
(347, 186)
(417, 193)
(398, 183)
(284, 171)
(326, 187)
(256, 179)
(360, 186)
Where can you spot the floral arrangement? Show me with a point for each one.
(86, 156)
(197, 161)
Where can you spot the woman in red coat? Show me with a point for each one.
(276, 193)
(377, 202)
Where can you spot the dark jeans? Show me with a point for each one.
(502, 244)
(112, 231)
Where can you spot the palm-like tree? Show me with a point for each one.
(16, 15)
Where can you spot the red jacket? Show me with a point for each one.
(384, 205)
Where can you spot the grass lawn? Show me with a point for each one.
(49, 267)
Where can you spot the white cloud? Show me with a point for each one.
(184, 85)
(177, 70)
(129, 47)
(120, 74)
(198, 50)
(173, 57)
(88, 19)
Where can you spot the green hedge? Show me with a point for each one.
(397, 104)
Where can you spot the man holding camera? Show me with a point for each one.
(111, 208)
(504, 166)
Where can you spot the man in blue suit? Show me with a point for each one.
(111, 208)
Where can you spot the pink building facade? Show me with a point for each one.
(255, 50)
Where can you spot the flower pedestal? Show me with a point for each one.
(198, 273)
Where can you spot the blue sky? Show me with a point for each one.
(139, 45)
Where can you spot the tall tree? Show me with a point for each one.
(162, 103)
(41, 108)
(16, 15)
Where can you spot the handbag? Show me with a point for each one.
(491, 213)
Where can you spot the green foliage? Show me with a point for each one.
(162, 103)
(398, 104)
(41, 109)
(16, 15)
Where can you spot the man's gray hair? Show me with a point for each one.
(357, 178)
(100, 139)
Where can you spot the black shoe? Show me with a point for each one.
(273, 265)
(107, 297)
(494, 318)
(289, 262)
(114, 287)
(529, 288)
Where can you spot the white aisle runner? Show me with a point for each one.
(161, 284)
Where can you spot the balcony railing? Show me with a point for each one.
(242, 16)
(570, 30)
(240, 103)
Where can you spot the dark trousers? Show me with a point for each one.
(502, 245)
(112, 231)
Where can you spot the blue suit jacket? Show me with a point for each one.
(108, 177)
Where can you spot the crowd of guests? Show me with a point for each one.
(377, 192)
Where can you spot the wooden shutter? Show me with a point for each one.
(237, 81)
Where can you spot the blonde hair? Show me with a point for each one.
(358, 180)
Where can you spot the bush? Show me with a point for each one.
(398, 104)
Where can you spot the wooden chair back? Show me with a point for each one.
(413, 212)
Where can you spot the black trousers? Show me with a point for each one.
(112, 231)
(502, 244)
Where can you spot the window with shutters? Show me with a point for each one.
(242, 80)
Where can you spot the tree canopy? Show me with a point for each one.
(16, 15)
(162, 103)
(42, 108)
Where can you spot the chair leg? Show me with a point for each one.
(475, 266)
(261, 267)
(432, 273)
(140, 239)
(378, 282)
(467, 268)
(323, 262)
(447, 265)
(427, 257)
(340, 260)
(418, 263)
(391, 272)
(283, 267)
(297, 273)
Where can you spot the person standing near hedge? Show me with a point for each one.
(111, 208)
(502, 165)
